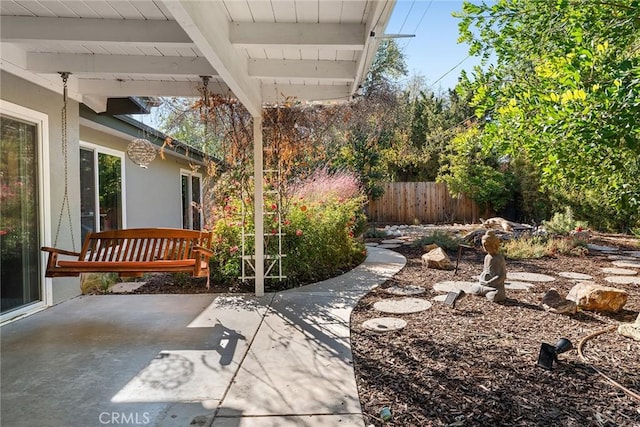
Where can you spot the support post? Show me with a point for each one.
(258, 205)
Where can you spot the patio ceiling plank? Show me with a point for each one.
(26, 29)
(325, 70)
(113, 88)
(127, 64)
(335, 36)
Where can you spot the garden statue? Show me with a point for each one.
(491, 281)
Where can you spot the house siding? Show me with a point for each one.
(21, 92)
(152, 194)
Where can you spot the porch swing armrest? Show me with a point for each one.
(205, 252)
(59, 251)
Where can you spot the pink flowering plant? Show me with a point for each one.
(319, 218)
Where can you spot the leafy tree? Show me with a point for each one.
(371, 119)
(564, 93)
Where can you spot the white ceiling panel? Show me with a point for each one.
(284, 10)
(307, 11)
(330, 11)
(353, 12)
(35, 8)
(103, 9)
(61, 10)
(261, 11)
(9, 7)
(306, 48)
(126, 10)
(238, 11)
(149, 10)
(80, 9)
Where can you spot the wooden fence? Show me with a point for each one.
(423, 202)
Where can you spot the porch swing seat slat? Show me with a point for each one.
(135, 251)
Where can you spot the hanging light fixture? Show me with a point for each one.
(141, 152)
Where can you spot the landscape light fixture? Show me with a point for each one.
(549, 354)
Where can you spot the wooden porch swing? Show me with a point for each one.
(134, 251)
(128, 252)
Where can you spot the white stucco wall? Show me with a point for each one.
(21, 92)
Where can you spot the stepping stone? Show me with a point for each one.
(372, 244)
(574, 276)
(453, 286)
(621, 257)
(402, 306)
(125, 287)
(405, 290)
(529, 277)
(619, 271)
(634, 254)
(389, 246)
(623, 280)
(633, 264)
(392, 242)
(600, 248)
(518, 286)
(440, 298)
(384, 324)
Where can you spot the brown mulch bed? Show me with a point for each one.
(475, 365)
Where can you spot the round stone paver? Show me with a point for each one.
(389, 246)
(518, 286)
(632, 264)
(529, 277)
(574, 276)
(621, 258)
(392, 242)
(619, 271)
(405, 290)
(601, 248)
(623, 280)
(384, 324)
(453, 286)
(402, 306)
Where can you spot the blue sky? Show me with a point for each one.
(434, 50)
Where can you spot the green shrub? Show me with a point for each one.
(441, 238)
(539, 247)
(563, 223)
(374, 233)
(97, 282)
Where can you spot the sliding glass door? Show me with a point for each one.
(19, 214)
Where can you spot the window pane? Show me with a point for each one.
(19, 239)
(87, 192)
(110, 198)
(195, 206)
(184, 181)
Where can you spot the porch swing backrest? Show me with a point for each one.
(134, 251)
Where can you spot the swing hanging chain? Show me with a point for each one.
(65, 155)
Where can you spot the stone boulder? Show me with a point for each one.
(437, 258)
(631, 330)
(590, 296)
(553, 302)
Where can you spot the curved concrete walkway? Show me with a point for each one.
(191, 360)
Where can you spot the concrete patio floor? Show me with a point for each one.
(191, 360)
